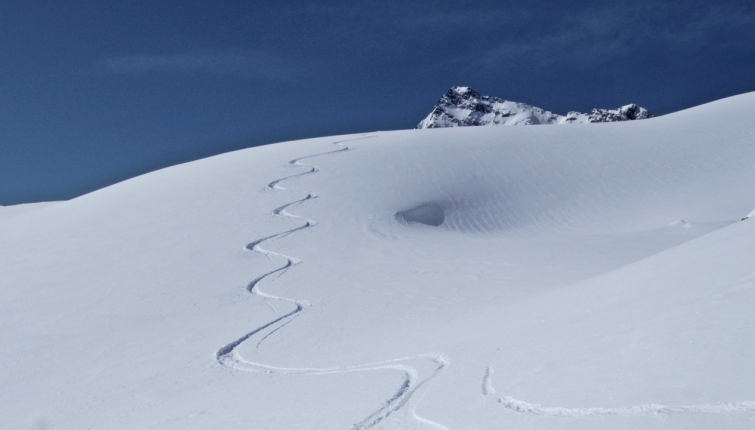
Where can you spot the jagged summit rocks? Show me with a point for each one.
(463, 107)
(629, 112)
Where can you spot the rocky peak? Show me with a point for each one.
(463, 107)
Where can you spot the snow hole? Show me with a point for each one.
(431, 214)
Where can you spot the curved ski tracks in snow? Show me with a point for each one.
(228, 355)
(645, 409)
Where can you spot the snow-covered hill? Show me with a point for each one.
(485, 277)
(463, 106)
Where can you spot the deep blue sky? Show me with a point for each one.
(94, 92)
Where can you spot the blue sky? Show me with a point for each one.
(94, 92)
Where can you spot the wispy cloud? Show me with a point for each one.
(452, 21)
(591, 37)
(241, 64)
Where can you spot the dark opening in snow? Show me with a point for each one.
(429, 214)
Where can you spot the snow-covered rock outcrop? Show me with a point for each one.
(463, 106)
(625, 113)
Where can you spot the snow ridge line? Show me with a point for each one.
(228, 355)
(646, 409)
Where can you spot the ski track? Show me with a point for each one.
(645, 409)
(229, 356)
(487, 381)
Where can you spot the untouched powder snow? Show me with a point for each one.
(16, 210)
(586, 277)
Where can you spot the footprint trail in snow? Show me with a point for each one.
(229, 356)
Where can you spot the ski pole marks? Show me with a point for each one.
(645, 409)
(229, 356)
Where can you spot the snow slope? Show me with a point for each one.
(586, 277)
(16, 210)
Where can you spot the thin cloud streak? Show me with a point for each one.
(591, 38)
(239, 64)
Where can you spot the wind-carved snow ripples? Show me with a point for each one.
(229, 356)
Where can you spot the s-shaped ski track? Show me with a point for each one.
(229, 356)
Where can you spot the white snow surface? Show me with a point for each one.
(22, 209)
(586, 277)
